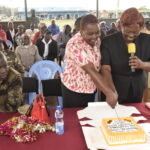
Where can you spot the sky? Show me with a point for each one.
(86, 4)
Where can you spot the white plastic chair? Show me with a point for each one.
(44, 70)
(9, 44)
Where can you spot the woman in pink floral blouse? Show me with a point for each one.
(81, 75)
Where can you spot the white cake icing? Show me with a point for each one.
(121, 126)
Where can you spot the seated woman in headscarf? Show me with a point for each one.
(28, 53)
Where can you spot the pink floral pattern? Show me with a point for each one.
(79, 53)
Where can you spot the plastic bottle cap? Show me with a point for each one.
(58, 107)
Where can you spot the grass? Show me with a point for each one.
(61, 23)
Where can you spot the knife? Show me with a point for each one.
(116, 113)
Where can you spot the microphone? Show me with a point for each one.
(132, 50)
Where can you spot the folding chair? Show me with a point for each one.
(52, 87)
(30, 84)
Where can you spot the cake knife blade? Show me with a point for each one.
(116, 113)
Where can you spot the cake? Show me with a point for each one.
(122, 131)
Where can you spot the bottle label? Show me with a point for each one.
(59, 127)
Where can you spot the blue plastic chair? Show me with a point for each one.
(44, 70)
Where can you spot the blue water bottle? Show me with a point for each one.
(59, 124)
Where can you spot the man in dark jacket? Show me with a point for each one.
(47, 47)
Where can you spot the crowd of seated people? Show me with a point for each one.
(22, 48)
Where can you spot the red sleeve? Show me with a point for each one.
(35, 37)
(3, 35)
